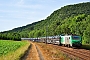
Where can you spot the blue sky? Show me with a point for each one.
(17, 13)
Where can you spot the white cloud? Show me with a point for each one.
(8, 11)
(36, 6)
(21, 2)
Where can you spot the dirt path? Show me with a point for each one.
(40, 51)
(32, 54)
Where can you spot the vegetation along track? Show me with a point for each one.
(82, 54)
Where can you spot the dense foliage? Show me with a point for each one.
(70, 19)
(9, 46)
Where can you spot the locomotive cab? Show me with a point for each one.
(76, 41)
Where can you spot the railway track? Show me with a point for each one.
(82, 54)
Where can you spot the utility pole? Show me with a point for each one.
(46, 34)
(77, 30)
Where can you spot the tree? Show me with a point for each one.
(86, 35)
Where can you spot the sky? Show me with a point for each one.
(17, 13)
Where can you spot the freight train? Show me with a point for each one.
(65, 40)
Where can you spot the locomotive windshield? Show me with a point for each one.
(76, 37)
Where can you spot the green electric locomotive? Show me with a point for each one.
(71, 40)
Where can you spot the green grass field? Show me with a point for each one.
(9, 49)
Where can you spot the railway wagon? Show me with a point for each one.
(46, 39)
(43, 39)
(49, 40)
(55, 40)
(71, 40)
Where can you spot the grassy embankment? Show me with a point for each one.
(12, 50)
(52, 53)
(86, 46)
